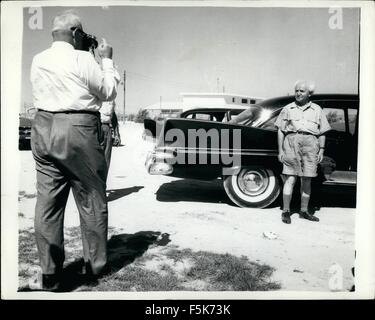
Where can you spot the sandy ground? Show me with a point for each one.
(198, 215)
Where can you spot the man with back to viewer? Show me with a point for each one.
(68, 86)
(301, 142)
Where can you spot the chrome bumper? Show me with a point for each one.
(156, 165)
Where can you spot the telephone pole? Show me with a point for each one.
(124, 96)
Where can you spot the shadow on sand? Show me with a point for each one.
(123, 249)
(194, 191)
(213, 192)
(115, 194)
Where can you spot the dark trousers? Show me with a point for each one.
(107, 143)
(68, 154)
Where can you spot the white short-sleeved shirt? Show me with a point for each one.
(65, 79)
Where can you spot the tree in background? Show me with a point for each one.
(141, 116)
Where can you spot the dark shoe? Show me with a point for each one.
(51, 282)
(45, 282)
(90, 280)
(285, 217)
(307, 216)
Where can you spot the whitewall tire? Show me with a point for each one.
(254, 187)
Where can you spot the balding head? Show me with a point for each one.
(63, 24)
(66, 20)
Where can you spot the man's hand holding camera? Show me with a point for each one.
(105, 50)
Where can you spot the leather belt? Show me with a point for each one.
(305, 133)
(302, 132)
(96, 113)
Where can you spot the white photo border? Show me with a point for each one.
(11, 66)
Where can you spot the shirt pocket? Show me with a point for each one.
(293, 122)
(312, 125)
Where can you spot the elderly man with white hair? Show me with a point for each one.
(301, 142)
(68, 88)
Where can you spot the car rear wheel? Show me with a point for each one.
(254, 187)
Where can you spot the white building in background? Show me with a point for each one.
(164, 109)
(170, 109)
(205, 100)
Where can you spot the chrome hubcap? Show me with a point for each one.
(252, 182)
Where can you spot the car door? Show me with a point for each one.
(340, 162)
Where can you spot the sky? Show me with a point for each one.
(248, 51)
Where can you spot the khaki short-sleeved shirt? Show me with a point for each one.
(308, 118)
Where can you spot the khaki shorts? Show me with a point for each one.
(300, 155)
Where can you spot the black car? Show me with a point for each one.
(216, 114)
(256, 181)
(24, 133)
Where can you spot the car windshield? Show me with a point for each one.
(264, 109)
(264, 116)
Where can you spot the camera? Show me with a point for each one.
(84, 41)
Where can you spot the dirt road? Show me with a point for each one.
(198, 215)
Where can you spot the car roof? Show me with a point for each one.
(276, 104)
(283, 100)
(214, 109)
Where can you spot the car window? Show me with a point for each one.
(352, 114)
(204, 116)
(336, 118)
(233, 116)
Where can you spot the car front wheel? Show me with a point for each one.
(253, 187)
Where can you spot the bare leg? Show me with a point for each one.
(305, 193)
(305, 198)
(288, 191)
